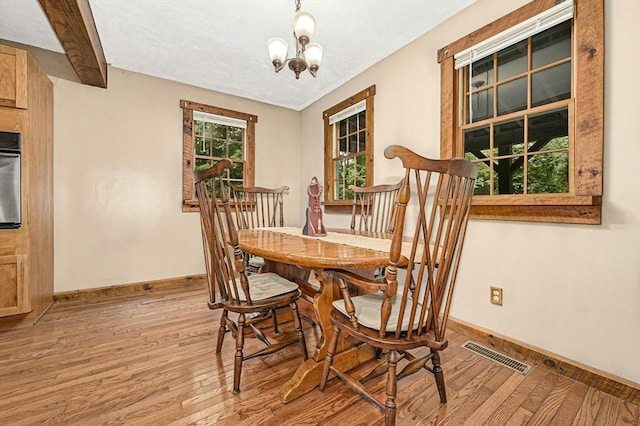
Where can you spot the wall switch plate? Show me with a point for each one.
(496, 295)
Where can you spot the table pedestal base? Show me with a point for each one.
(307, 376)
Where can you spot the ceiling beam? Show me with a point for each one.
(73, 23)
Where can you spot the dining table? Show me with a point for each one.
(305, 260)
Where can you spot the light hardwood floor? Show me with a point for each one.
(149, 359)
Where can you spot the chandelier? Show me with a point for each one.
(308, 55)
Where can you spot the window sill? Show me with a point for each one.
(190, 206)
(338, 207)
(536, 200)
(539, 208)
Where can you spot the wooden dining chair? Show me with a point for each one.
(251, 296)
(374, 207)
(258, 207)
(400, 317)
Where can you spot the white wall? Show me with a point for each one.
(572, 290)
(118, 178)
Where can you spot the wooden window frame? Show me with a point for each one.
(189, 200)
(330, 203)
(584, 204)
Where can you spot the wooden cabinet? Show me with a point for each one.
(13, 77)
(13, 293)
(26, 253)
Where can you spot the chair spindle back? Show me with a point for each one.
(374, 207)
(443, 189)
(258, 207)
(224, 260)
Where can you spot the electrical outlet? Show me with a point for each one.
(496, 295)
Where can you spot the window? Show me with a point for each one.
(211, 134)
(348, 143)
(523, 99)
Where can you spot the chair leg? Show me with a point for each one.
(298, 324)
(237, 364)
(391, 389)
(329, 358)
(222, 330)
(437, 372)
(274, 321)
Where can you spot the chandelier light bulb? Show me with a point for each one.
(313, 55)
(304, 23)
(278, 51)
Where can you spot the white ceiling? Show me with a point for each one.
(221, 44)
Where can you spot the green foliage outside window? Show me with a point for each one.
(350, 166)
(214, 142)
(547, 170)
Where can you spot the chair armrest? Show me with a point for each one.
(358, 280)
(345, 277)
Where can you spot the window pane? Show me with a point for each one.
(362, 119)
(483, 182)
(551, 45)
(235, 133)
(351, 179)
(482, 105)
(236, 171)
(198, 127)
(508, 176)
(512, 60)
(348, 194)
(208, 130)
(353, 143)
(512, 96)
(476, 143)
(548, 173)
(482, 72)
(203, 164)
(351, 171)
(353, 124)
(362, 141)
(342, 128)
(551, 85)
(340, 174)
(202, 147)
(219, 148)
(235, 151)
(361, 170)
(219, 130)
(508, 137)
(549, 130)
(342, 142)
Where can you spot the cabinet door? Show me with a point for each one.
(13, 77)
(14, 294)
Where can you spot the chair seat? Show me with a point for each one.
(368, 311)
(267, 285)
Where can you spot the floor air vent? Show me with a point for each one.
(511, 363)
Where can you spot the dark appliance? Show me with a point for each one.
(10, 180)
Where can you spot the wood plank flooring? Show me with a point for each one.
(149, 359)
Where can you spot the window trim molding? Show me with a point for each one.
(584, 204)
(189, 202)
(344, 206)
